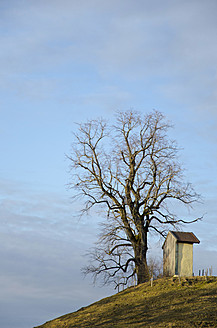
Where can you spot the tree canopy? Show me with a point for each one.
(130, 169)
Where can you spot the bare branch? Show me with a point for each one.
(131, 170)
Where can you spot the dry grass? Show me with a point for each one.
(187, 303)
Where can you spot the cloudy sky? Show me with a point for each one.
(66, 61)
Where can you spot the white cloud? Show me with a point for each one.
(88, 58)
(42, 252)
(170, 45)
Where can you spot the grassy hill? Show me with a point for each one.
(191, 302)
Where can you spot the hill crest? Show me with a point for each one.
(170, 302)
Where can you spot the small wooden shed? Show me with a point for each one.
(178, 253)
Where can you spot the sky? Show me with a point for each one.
(67, 61)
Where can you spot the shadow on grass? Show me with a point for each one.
(168, 303)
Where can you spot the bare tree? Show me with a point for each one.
(155, 266)
(131, 170)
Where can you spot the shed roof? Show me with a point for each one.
(183, 237)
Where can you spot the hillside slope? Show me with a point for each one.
(169, 302)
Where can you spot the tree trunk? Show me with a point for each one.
(141, 265)
(142, 272)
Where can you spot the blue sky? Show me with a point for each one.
(66, 61)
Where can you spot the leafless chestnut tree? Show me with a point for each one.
(131, 170)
